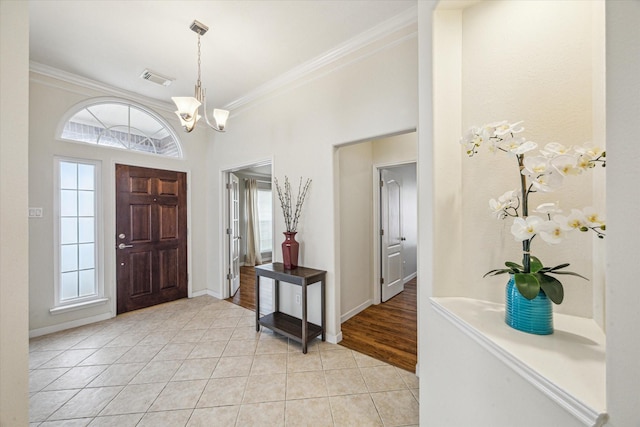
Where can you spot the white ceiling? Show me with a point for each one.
(249, 43)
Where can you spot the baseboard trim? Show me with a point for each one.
(199, 293)
(348, 315)
(410, 277)
(334, 339)
(206, 292)
(68, 325)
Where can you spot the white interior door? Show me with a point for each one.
(233, 231)
(391, 239)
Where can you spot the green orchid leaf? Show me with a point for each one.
(535, 264)
(558, 267)
(514, 266)
(527, 284)
(552, 287)
(497, 271)
(570, 273)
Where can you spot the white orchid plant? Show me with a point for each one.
(542, 173)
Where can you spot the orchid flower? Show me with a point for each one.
(551, 232)
(548, 208)
(505, 128)
(566, 165)
(534, 166)
(588, 150)
(574, 221)
(472, 140)
(591, 217)
(517, 145)
(509, 200)
(553, 149)
(547, 182)
(526, 228)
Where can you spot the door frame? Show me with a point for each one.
(377, 247)
(235, 232)
(223, 203)
(109, 203)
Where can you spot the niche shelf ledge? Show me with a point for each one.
(568, 366)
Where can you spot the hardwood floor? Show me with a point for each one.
(246, 295)
(386, 331)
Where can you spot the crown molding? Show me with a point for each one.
(372, 35)
(368, 37)
(48, 71)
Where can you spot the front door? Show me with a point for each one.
(151, 237)
(233, 231)
(391, 240)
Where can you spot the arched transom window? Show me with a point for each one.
(120, 124)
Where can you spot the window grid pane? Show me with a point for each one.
(77, 230)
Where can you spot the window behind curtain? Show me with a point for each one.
(265, 215)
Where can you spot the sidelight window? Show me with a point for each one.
(77, 202)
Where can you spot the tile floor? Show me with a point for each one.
(200, 362)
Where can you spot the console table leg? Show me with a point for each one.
(257, 303)
(305, 327)
(322, 310)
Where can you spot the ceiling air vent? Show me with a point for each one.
(157, 78)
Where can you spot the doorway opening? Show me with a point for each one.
(248, 226)
(379, 223)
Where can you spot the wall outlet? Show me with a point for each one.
(298, 299)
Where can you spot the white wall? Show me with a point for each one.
(14, 178)
(356, 228)
(623, 209)
(50, 99)
(375, 95)
(492, 393)
(518, 71)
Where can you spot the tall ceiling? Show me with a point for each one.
(249, 43)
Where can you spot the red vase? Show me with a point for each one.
(290, 250)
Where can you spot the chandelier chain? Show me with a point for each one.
(199, 59)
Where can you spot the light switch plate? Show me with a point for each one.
(35, 212)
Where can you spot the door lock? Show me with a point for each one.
(123, 246)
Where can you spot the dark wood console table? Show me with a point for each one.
(298, 330)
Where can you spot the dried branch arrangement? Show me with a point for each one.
(291, 216)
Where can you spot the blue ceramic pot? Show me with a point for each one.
(532, 316)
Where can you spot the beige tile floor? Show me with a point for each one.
(200, 362)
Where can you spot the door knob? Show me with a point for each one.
(123, 246)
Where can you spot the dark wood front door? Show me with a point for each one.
(151, 236)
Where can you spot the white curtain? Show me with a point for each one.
(253, 224)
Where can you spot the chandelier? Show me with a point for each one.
(188, 105)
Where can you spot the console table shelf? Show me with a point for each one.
(299, 330)
(289, 326)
